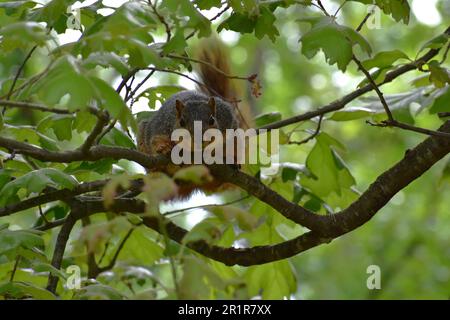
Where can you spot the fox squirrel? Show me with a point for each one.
(214, 104)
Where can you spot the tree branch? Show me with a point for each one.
(60, 246)
(413, 165)
(342, 102)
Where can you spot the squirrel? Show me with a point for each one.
(213, 103)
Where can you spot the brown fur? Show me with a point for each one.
(216, 83)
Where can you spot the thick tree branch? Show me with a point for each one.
(95, 153)
(317, 223)
(56, 195)
(413, 165)
(60, 246)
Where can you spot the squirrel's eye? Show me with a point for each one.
(211, 121)
(182, 122)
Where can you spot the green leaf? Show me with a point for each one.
(29, 135)
(329, 171)
(54, 86)
(199, 279)
(177, 44)
(54, 13)
(98, 292)
(442, 103)
(22, 34)
(106, 60)
(16, 8)
(246, 220)
(46, 267)
(289, 171)
(186, 9)
(60, 123)
(265, 25)
(12, 240)
(238, 22)
(351, 113)
(209, 230)
(421, 96)
(207, 4)
(267, 118)
(439, 76)
(272, 280)
(84, 122)
(436, 43)
(103, 166)
(384, 59)
(21, 290)
(334, 40)
(53, 213)
(159, 93)
(144, 116)
(112, 101)
(117, 138)
(398, 9)
(141, 248)
(36, 181)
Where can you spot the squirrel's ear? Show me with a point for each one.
(212, 105)
(179, 106)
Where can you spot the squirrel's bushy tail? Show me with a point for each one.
(215, 73)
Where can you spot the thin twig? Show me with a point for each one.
(91, 139)
(363, 22)
(320, 5)
(16, 264)
(391, 122)
(375, 87)
(405, 126)
(116, 254)
(444, 56)
(19, 71)
(60, 247)
(312, 136)
(138, 86)
(340, 7)
(162, 20)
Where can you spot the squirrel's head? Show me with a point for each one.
(204, 111)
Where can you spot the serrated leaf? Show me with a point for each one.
(384, 59)
(334, 40)
(398, 9)
(273, 280)
(36, 181)
(265, 24)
